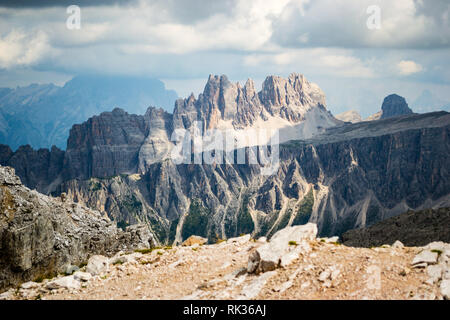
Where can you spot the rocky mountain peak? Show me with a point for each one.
(8, 177)
(249, 88)
(224, 104)
(394, 105)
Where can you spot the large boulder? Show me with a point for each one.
(40, 236)
(97, 265)
(194, 240)
(284, 247)
(68, 282)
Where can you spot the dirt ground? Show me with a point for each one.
(328, 271)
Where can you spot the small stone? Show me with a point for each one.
(405, 271)
(398, 245)
(324, 275)
(194, 240)
(426, 256)
(305, 285)
(82, 276)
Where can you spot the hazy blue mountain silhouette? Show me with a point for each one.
(42, 115)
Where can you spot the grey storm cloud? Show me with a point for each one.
(185, 40)
(413, 24)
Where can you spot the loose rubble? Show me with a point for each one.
(321, 269)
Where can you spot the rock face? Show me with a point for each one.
(394, 105)
(339, 176)
(105, 145)
(41, 235)
(281, 101)
(413, 228)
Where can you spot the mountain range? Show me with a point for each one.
(41, 115)
(338, 175)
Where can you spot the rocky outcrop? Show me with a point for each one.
(351, 177)
(284, 247)
(349, 116)
(280, 103)
(38, 169)
(194, 240)
(394, 105)
(435, 257)
(105, 145)
(413, 228)
(40, 235)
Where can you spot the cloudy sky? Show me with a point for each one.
(332, 42)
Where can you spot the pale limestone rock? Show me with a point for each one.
(445, 289)
(251, 290)
(284, 246)
(426, 256)
(67, 282)
(29, 285)
(192, 240)
(97, 265)
(240, 240)
(7, 295)
(435, 272)
(397, 245)
(82, 276)
(262, 240)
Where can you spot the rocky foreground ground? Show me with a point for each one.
(242, 268)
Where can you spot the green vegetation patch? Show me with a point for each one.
(305, 209)
(245, 223)
(196, 221)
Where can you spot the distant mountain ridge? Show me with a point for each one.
(338, 175)
(42, 115)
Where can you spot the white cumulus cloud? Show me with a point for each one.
(18, 48)
(407, 67)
